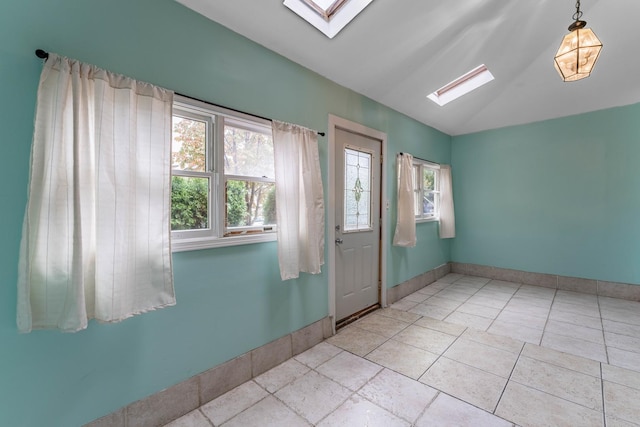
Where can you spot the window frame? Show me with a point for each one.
(187, 240)
(329, 21)
(209, 120)
(419, 167)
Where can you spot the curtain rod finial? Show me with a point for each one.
(42, 54)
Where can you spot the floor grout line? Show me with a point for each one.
(604, 406)
(604, 337)
(509, 378)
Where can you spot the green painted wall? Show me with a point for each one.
(430, 251)
(224, 308)
(559, 196)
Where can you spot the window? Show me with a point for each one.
(328, 16)
(427, 188)
(464, 84)
(249, 178)
(223, 181)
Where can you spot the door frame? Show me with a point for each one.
(336, 122)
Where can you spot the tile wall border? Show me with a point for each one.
(180, 399)
(418, 282)
(566, 283)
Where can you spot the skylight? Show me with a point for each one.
(462, 85)
(328, 16)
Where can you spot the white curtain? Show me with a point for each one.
(299, 200)
(447, 216)
(95, 240)
(405, 234)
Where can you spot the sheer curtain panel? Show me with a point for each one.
(405, 234)
(95, 239)
(299, 200)
(447, 216)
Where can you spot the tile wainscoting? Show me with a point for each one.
(410, 286)
(565, 283)
(182, 398)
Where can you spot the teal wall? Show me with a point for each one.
(559, 196)
(224, 308)
(430, 251)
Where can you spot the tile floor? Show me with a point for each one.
(464, 351)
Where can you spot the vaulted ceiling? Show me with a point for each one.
(397, 52)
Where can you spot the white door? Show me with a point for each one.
(357, 222)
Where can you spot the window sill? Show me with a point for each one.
(183, 245)
(432, 219)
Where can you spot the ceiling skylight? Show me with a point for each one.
(462, 85)
(328, 16)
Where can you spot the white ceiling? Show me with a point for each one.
(397, 52)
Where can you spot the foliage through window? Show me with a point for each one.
(223, 180)
(249, 177)
(426, 177)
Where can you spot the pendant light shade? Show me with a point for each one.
(578, 51)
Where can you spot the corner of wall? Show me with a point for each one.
(407, 287)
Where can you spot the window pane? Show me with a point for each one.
(189, 203)
(250, 203)
(189, 142)
(363, 206)
(248, 153)
(357, 177)
(417, 193)
(429, 179)
(428, 204)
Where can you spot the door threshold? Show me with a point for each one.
(355, 316)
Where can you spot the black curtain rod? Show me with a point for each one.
(418, 158)
(233, 109)
(45, 55)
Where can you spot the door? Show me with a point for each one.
(357, 222)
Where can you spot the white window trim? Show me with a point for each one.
(336, 22)
(435, 167)
(216, 238)
(208, 173)
(461, 86)
(184, 245)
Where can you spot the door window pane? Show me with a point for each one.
(357, 191)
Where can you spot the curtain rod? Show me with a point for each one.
(418, 158)
(45, 55)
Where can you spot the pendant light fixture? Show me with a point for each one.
(578, 51)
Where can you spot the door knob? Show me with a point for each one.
(339, 241)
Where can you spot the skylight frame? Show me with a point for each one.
(329, 21)
(464, 84)
(327, 13)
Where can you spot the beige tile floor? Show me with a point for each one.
(464, 351)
